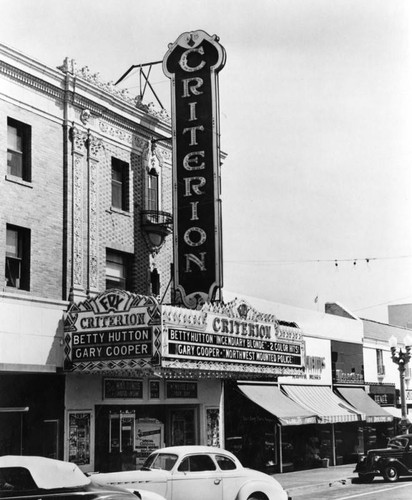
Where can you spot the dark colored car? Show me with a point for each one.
(390, 463)
(44, 478)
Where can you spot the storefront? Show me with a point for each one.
(300, 423)
(349, 384)
(31, 414)
(141, 376)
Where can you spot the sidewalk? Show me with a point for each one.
(293, 482)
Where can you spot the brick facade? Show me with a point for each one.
(78, 124)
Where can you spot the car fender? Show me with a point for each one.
(145, 495)
(272, 490)
(393, 461)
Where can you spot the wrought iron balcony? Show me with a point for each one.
(156, 226)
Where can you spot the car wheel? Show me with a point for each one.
(390, 473)
(366, 478)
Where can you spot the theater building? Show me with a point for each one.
(142, 375)
(86, 205)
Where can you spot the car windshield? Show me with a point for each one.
(397, 443)
(162, 461)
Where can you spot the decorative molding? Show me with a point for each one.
(121, 135)
(77, 221)
(95, 146)
(85, 116)
(69, 66)
(29, 80)
(78, 138)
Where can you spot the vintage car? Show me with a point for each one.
(39, 477)
(196, 472)
(390, 463)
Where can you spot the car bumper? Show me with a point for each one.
(362, 469)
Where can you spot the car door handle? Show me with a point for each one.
(217, 481)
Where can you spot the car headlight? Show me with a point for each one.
(376, 458)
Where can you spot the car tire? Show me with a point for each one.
(366, 478)
(390, 474)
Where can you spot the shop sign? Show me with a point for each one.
(186, 390)
(383, 395)
(243, 340)
(192, 63)
(113, 327)
(122, 388)
(348, 378)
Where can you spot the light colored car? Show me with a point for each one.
(196, 472)
(47, 479)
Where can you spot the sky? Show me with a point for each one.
(316, 122)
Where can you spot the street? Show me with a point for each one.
(377, 490)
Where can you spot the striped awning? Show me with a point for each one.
(272, 399)
(322, 401)
(358, 398)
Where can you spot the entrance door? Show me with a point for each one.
(51, 439)
(183, 427)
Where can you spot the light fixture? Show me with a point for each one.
(401, 357)
(156, 226)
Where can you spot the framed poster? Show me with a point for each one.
(212, 427)
(80, 437)
(148, 437)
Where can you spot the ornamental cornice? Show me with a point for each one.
(184, 317)
(122, 135)
(70, 66)
(29, 80)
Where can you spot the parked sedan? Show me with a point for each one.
(390, 462)
(196, 472)
(45, 478)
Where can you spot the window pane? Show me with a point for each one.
(116, 271)
(12, 243)
(152, 192)
(18, 149)
(14, 139)
(120, 184)
(13, 272)
(15, 163)
(116, 194)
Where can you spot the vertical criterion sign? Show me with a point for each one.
(192, 63)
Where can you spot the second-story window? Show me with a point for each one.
(120, 184)
(18, 149)
(17, 270)
(117, 270)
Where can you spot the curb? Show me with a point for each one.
(318, 486)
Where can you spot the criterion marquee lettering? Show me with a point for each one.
(192, 63)
(112, 344)
(188, 344)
